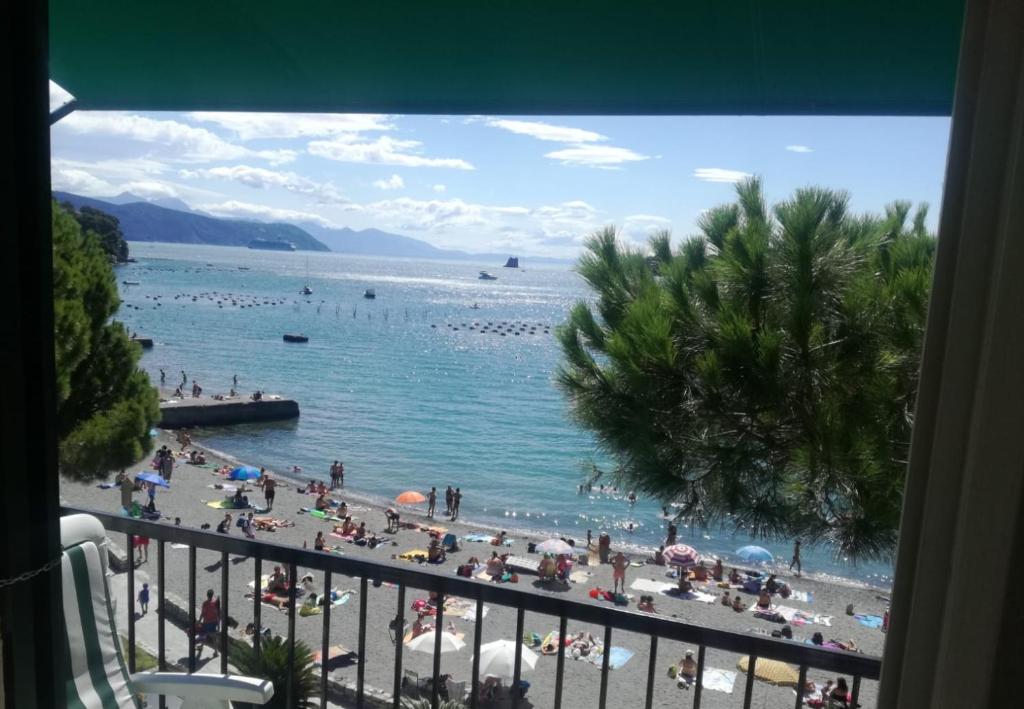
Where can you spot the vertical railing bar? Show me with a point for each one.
(560, 664)
(652, 671)
(438, 629)
(855, 691)
(325, 640)
(399, 634)
(699, 683)
(131, 601)
(191, 608)
(478, 633)
(361, 670)
(161, 650)
(292, 592)
(257, 606)
(518, 667)
(224, 613)
(604, 667)
(748, 691)
(801, 686)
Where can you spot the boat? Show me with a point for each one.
(513, 262)
(271, 245)
(306, 290)
(295, 338)
(474, 306)
(369, 294)
(485, 276)
(131, 283)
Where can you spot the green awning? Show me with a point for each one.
(886, 57)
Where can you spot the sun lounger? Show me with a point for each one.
(522, 562)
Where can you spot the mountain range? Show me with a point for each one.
(172, 220)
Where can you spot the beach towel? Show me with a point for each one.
(869, 621)
(803, 596)
(649, 586)
(718, 680)
(617, 657)
(580, 576)
(804, 617)
(343, 537)
(699, 596)
(475, 537)
(225, 505)
(414, 555)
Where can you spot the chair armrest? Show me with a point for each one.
(215, 687)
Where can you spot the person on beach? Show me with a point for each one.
(234, 381)
(184, 378)
(646, 604)
(431, 501)
(178, 393)
(764, 600)
(796, 558)
(737, 604)
(278, 582)
(392, 516)
(225, 524)
(341, 473)
(495, 566)
(659, 556)
(687, 670)
(717, 572)
(726, 601)
(163, 377)
(590, 540)
(247, 526)
(142, 545)
(619, 564)
(334, 475)
(321, 501)
(499, 540)
(449, 494)
(127, 487)
(269, 485)
(419, 627)
(209, 621)
(604, 547)
(771, 585)
(318, 543)
(456, 503)
(670, 537)
(144, 599)
(360, 532)
(151, 494)
(167, 463)
(734, 577)
(840, 694)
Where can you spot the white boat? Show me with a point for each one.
(306, 290)
(369, 294)
(485, 276)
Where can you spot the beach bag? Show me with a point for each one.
(466, 570)
(595, 592)
(672, 671)
(514, 578)
(531, 548)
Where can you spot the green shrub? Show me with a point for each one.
(272, 663)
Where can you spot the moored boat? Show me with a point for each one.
(369, 294)
(485, 276)
(295, 338)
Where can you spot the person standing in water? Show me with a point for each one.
(431, 502)
(163, 377)
(796, 558)
(456, 503)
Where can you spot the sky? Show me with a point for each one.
(522, 185)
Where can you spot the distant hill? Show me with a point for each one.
(374, 242)
(146, 221)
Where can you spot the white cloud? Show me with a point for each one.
(382, 151)
(184, 143)
(261, 178)
(395, 182)
(799, 149)
(600, 156)
(80, 182)
(441, 215)
(638, 227)
(719, 174)
(260, 212)
(440, 189)
(150, 189)
(250, 126)
(547, 131)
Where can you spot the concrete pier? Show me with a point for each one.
(206, 411)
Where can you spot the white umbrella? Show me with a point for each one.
(554, 546)
(425, 643)
(498, 659)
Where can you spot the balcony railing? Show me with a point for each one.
(656, 627)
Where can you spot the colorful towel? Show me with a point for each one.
(225, 505)
(414, 555)
(617, 657)
(804, 617)
(870, 621)
(718, 680)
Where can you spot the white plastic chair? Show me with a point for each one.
(99, 676)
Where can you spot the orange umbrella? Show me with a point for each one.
(410, 497)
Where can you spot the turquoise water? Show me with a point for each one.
(393, 389)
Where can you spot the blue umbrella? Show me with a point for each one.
(151, 477)
(244, 472)
(754, 553)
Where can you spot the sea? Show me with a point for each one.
(442, 379)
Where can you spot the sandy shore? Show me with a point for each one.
(191, 488)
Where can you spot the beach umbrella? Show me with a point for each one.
(425, 643)
(410, 497)
(244, 472)
(771, 671)
(754, 553)
(554, 546)
(498, 659)
(681, 555)
(151, 477)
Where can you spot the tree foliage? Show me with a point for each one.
(271, 662)
(106, 227)
(105, 403)
(762, 374)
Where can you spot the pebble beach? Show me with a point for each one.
(192, 487)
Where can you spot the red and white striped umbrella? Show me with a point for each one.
(681, 555)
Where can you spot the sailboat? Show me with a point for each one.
(306, 290)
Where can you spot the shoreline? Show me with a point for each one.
(535, 534)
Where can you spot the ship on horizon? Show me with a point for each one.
(271, 245)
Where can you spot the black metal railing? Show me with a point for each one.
(656, 627)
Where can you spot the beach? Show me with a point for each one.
(192, 487)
